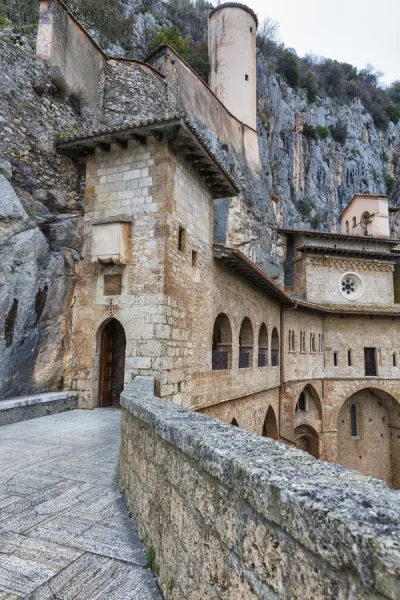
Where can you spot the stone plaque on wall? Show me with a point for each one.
(113, 285)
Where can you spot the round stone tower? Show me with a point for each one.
(232, 31)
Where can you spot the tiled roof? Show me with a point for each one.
(333, 235)
(235, 5)
(354, 252)
(362, 309)
(179, 119)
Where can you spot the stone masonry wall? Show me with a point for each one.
(231, 515)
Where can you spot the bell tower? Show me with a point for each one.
(232, 32)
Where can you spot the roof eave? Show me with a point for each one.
(191, 143)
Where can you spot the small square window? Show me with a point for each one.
(194, 258)
(112, 285)
(181, 239)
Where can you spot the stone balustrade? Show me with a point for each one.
(231, 515)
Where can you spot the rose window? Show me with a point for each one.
(348, 286)
(351, 286)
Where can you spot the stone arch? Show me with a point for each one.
(275, 351)
(270, 426)
(263, 346)
(368, 434)
(307, 439)
(311, 412)
(246, 343)
(111, 342)
(222, 343)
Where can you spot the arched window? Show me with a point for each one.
(347, 227)
(234, 423)
(246, 342)
(263, 346)
(354, 221)
(275, 348)
(222, 343)
(302, 403)
(353, 420)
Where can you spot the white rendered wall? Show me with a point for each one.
(232, 47)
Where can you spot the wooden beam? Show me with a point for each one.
(122, 143)
(158, 135)
(171, 135)
(140, 139)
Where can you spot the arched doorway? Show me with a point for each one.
(368, 439)
(270, 427)
(307, 439)
(112, 364)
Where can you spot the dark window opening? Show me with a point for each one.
(251, 30)
(370, 362)
(335, 359)
(181, 239)
(353, 419)
(394, 359)
(349, 362)
(234, 423)
(302, 404)
(246, 77)
(194, 258)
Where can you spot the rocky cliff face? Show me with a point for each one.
(40, 223)
(315, 179)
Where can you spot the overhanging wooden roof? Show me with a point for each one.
(350, 252)
(340, 236)
(236, 260)
(177, 130)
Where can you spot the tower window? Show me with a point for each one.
(194, 258)
(246, 77)
(349, 361)
(394, 359)
(335, 359)
(251, 30)
(301, 404)
(181, 239)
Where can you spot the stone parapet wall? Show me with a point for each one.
(232, 515)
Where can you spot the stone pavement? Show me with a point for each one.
(64, 531)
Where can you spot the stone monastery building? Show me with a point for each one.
(311, 359)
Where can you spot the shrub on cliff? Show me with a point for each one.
(172, 36)
(393, 112)
(339, 132)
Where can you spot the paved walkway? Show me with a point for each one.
(64, 530)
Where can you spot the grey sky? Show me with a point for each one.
(353, 31)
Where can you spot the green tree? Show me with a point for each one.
(393, 112)
(288, 67)
(311, 86)
(393, 92)
(172, 36)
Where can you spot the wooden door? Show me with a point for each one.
(106, 368)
